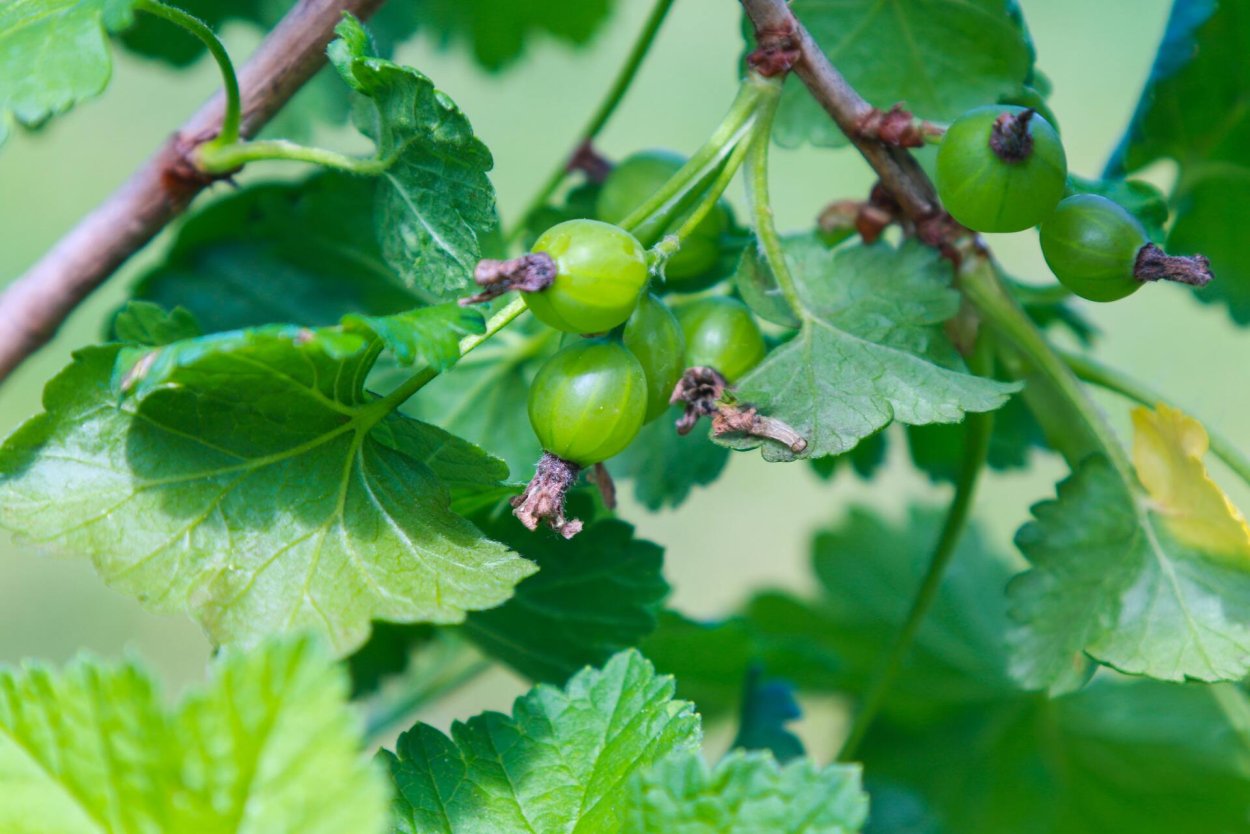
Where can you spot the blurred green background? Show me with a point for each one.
(751, 528)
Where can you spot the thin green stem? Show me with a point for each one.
(620, 85)
(736, 125)
(978, 429)
(1086, 430)
(761, 206)
(977, 432)
(1096, 373)
(671, 242)
(234, 108)
(425, 376)
(222, 158)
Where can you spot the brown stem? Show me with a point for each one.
(33, 306)
(1153, 264)
(899, 172)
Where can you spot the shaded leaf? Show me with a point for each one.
(767, 707)
(499, 31)
(145, 323)
(666, 466)
(434, 199)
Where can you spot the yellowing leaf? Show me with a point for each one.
(1168, 446)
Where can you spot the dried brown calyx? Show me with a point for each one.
(1010, 139)
(1153, 264)
(529, 273)
(703, 392)
(543, 498)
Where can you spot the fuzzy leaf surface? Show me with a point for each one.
(870, 350)
(250, 480)
(436, 200)
(561, 761)
(938, 57)
(266, 746)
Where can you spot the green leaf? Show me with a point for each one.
(1193, 111)
(435, 200)
(266, 745)
(250, 480)
(485, 401)
(148, 324)
(1140, 756)
(302, 252)
(870, 350)
(760, 291)
(53, 55)
(767, 707)
(746, 794)
(500, 30)
(1138, 198)
(939, 450)
(593, 596)
(666, 466)
(430, 335)
(865, 459)
(560, 762)
(1108, 579)
(939, 57)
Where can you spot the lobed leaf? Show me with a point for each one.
(666, 466)
(250, 480)
(266, 746)
(870, 350)
(54, 54)
(435, 201)
(561, 761)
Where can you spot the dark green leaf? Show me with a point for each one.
(665, 466)
(939, 450)
(53, 55)
(865, 459)
(938, 57)
(870, 350)
(1109, 580)
(767, 707)
(251, 480)
(499, 30)
(434, 200)
(1193, 111)
(300, 252)
(594, 595)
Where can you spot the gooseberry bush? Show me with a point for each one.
(369, 436)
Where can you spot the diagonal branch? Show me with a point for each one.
(784, 44)
(33, 307)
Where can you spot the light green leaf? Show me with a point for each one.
(430, 335)
(267, 746)
(53, 55)
(1193, 111)
(746, 793)
(594, 595)
(560, 762)
(436, 200)
(302, 252)
(250, 480)
(870, 350)
(939, 57)
(1109, 580)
